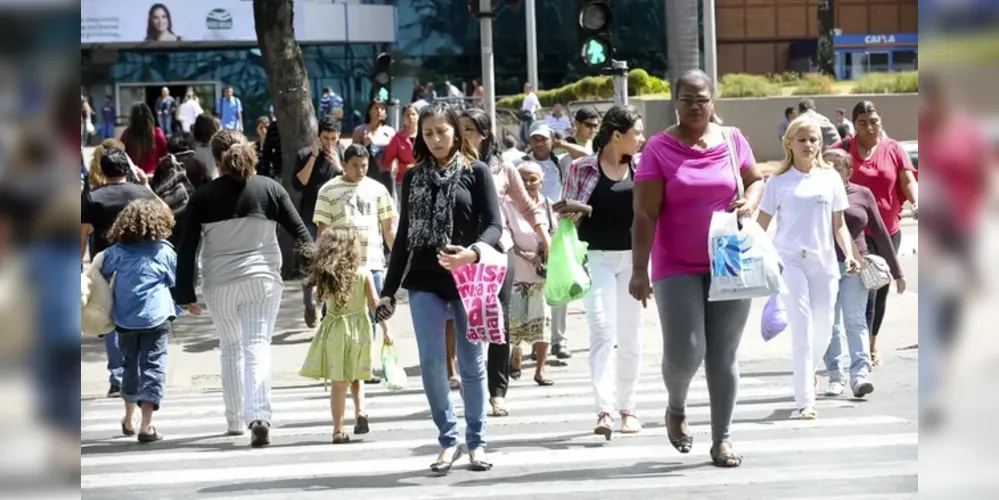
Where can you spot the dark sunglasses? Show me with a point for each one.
(591, 125)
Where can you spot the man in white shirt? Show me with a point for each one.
(558, 120)
(189, 111)
(528, 112)
(542, 143)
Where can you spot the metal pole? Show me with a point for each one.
(710, 41)
(532, 45)
(620, 70)
(485, 16)
(393, 109)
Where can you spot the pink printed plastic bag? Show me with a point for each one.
(479, 285)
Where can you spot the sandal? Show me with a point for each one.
(808, 413)
(340, 438)
(543, 382)
(515, 374)
(684, 442)
(443, 466)
(454, 384)
(630, 423)
(125, 431)
(150, 437)
(479, 465)
(604, 426)
(875, 359)
(499, 408)
(726, 460)
(361, 424)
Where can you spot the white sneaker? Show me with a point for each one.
(835, 389)
(862, 387)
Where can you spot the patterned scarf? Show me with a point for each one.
(431, 204)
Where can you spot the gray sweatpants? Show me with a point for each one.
(695, 330)
(559, 339)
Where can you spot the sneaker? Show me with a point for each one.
(835, 388)
(862, 387)
(114, 391)
(261, 433)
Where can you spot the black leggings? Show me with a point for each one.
(877, 299)
(498, 364)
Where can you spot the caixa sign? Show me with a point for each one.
(879, 39)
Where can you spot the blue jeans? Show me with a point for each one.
(115, 361)
(851, 316)
(145, 352)
(106, 129)
(429, 312)
(166, 123)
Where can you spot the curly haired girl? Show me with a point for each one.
(341, 351)
(143, 267)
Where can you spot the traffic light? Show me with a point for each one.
(595, 47)
(381, 87)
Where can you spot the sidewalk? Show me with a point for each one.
(194, 355)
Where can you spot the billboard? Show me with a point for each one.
(167, 23)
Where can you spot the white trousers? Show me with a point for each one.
(810, 300)
(244, 313)
(614, 318)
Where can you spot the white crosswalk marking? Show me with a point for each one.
(545, 447)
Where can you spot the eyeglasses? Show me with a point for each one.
(691, 101)
(591, 125)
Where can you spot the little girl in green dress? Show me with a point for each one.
(341, 349)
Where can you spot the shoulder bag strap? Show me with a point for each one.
(733, 161)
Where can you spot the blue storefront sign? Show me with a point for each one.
(857, 55)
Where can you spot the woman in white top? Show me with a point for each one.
(809, 199)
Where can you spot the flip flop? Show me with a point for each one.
(125, 431)
(728, 460)
(683, 443)
(340, 438)
(150, 438)
(442, 466)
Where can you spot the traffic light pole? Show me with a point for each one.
(619, 70)
(532, 43)
(485, 15)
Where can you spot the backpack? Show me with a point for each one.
(171, 184)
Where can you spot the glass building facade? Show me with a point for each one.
(438, 40)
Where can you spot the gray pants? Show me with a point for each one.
(559, 339)
(695, 330)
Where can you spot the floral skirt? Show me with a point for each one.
(530, 315)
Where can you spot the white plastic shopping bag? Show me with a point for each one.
(744, 261)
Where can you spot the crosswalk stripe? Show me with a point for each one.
(361, 446)
(376, 467)
(691, 478)
(318, 406)
(524, 406)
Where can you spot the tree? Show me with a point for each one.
(825, 59)
(288, 82)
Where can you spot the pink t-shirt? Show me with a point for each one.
(697, 184)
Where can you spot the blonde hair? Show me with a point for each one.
(95, 176)
(334, 266)
(803, 121)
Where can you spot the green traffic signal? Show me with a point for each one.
(383, 94)
(596, 52)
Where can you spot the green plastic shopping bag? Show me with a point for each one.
(394, 373)
(567, 279)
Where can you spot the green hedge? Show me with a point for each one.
(888, 83)
(733, 85)
(592, 88)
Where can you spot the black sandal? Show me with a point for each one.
(479, 465)
(543, 382)
(150, 438)
(728, 460)
(683, 443)
(443, 467)
(340, 438)
(361, 425)
(125, 431)
(515, 374)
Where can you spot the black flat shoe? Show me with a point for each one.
(125, 431)
(151, 437)
(515, 374)
(443, 466)
(361, 426)
(261, 434)
(728, 460)
(683, 443)
(543, 382)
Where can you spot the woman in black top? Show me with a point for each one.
(448, 204)
(602, 185)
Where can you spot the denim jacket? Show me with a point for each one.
(144, 274)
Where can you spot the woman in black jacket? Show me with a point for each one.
(448, 209)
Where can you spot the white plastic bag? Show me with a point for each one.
(744, 261)
(96, 299)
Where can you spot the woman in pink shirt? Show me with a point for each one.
(144, 141)
(881, 165)
(684, 176)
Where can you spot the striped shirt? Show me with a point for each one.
(362, 206)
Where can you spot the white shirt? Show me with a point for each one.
(803, 206)
(551, 177)
(559, 123)
(512, 156)
(531, 103)
(189, 112)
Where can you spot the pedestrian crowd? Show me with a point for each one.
(405, 209)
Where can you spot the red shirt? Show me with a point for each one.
(959, 172)
(401, 148)
(149, 162)
(882, 174)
